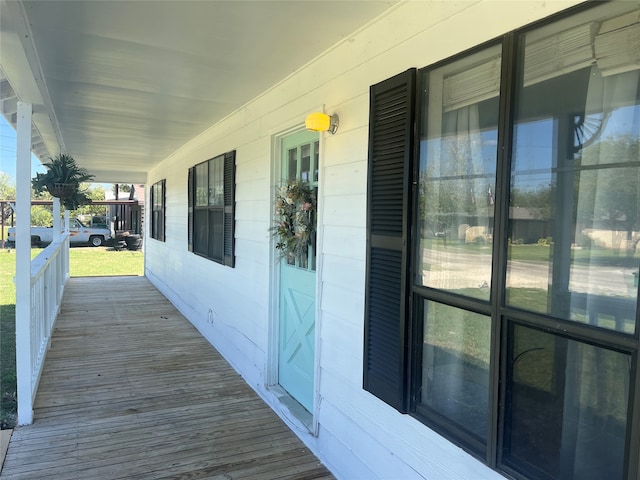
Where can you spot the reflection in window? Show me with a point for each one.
(202, 173)
(574, 217)
(455, 366)
(457, 174)
(566, 410)
(216, 181)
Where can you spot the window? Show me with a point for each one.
(212, 209)
(502, 289)
(158, 210)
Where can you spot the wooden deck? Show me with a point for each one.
(131, 390)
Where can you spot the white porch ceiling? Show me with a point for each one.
(120, 85)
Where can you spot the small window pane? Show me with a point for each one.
(293, 165)
(200, 231)
(458, 152)
(216, 181)
(316, 160)
(566, 410)
(154, 224)
(455, 366)
(216, 235)
(305, 169)
(158, 210)
(574, 216)
(202, 180)
(158, 196)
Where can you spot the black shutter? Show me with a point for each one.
(152, 210)
(391, 135)
(229, 207)
(163, 211)
(190, 194)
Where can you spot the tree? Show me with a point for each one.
(41, 216)
(539, 201)
(7, 187)
(609, 193)
(94, 193)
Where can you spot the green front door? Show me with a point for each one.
(296, 364)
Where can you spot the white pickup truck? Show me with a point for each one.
(78, 234)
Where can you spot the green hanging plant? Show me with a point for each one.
(63, 180)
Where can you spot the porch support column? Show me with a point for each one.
(23, 264)
(57, 222)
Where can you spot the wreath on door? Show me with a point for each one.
(294, 221)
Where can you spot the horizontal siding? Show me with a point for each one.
(360, 436)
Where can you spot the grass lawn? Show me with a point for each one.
(101, 261)
(83, 261)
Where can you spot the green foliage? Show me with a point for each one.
(8, 389)
(63, 170)
(606, 194)
(7, 187)
(610, 195)
(8, 397)
(41, 216)
(539, 201)
(93, 193)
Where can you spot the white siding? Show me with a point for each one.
(358, 435)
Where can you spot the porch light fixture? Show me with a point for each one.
(321, 122)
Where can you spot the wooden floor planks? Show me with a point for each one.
(131, 390)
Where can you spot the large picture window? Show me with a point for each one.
(158, 210)
(502, 291)
(212, 209)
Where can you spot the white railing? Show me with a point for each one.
(49, 274)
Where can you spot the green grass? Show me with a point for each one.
(83, 261)
(88, 262)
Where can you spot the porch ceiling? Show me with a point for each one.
(121, 85)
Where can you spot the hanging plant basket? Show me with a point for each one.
(63, 180)
(62, 190)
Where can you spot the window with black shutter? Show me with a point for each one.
(158, 199)
(211, 209)
(502, 256)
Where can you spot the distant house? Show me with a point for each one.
(127, 217)
(393, 351)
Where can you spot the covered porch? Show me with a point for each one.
(130, 389)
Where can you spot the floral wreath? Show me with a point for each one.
(294, 223)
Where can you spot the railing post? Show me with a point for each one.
(23, 264)
(57, 224)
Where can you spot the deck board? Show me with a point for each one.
(131, 390)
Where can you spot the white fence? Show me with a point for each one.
(49, 274)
